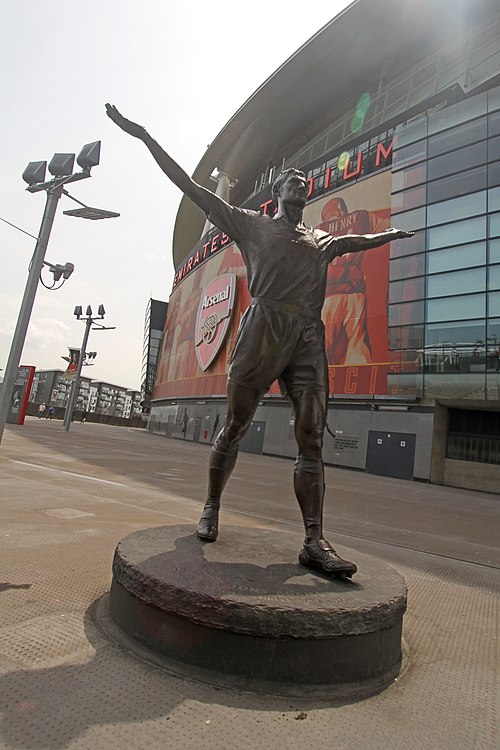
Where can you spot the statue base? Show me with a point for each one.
(243, 613)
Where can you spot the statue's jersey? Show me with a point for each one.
(284, 264)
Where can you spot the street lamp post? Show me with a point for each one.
(61, 169)
(16, 349)
(89, 320)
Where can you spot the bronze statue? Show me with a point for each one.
(281, 336)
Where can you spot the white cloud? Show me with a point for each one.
(46, 334)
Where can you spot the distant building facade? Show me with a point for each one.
(52, 388)
(154, 323)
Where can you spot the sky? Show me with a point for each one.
(181, 70)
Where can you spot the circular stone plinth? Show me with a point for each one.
(244, 611)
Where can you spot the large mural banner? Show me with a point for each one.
(354, 313)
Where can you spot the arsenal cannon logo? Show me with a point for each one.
(212, 320)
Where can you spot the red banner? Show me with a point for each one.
(354, 313)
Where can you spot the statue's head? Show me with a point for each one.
(290, 186)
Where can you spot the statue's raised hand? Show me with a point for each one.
(132, 128)
(397, 234)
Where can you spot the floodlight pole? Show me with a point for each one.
(76, 382)
(53, 195)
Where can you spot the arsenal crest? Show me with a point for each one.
(212, 320)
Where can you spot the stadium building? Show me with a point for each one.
(393, 112)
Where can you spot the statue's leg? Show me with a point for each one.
(241, 405)
(309, 484)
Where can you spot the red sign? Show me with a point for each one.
(20, 395)
(212, 319)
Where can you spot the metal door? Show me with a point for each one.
(253, 442)
(391, 454)
(197, 430)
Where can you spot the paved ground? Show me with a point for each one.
(67, 499)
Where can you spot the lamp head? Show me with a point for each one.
(59, 270)
(68, 269)
(101, 311)
(35, 172)
(89, 156)
(78, 311)
(61, 165)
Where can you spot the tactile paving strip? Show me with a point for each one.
(44, 641)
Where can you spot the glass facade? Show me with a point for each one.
(444, 291)
(154, 322)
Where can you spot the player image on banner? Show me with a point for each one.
(355, 308)
(73, 359)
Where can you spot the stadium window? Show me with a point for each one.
(456, 308)
(412, 220)
(456, 282)
(454, 258)
(466, 158)
(458, 333)
(461, 232)
(406, 337)
(408, 199)
(494, 124)
(494, 200)
(409, 177)
(494, 225)
(407, 290)
(409, 245)
(494, 174)
(457, 114)
(494, 149)
(464, 135)
(494, 277)
(457, 208)
(493, 304)
(407, 267)
(407, 313)
(494, 251)
(405, 157)
(457, 184)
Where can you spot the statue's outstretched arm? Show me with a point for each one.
(356, 243)
(201, 196)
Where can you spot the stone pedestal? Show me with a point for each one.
(242, 612)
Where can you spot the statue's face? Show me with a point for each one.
(294, 190)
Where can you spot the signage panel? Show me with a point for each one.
(354, 313)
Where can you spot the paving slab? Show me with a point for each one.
(66, 499)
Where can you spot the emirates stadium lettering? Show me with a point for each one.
(214, 299)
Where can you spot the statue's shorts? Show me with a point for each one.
(280, 341)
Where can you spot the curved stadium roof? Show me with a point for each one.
(365, 41)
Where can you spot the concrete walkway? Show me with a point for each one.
(68, 498)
